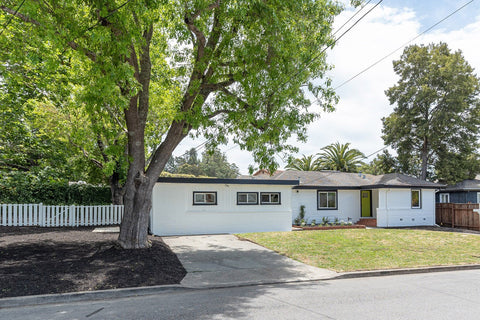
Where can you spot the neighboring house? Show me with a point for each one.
(467, 191)
(270, 203)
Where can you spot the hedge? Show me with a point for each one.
(53, 193)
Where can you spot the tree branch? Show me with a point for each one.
(72, 44)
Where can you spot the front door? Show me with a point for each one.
(366, 197)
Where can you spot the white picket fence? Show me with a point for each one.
(59, 216)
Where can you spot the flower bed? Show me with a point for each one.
(353, 226)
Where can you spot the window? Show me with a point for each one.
(416, 199)
(327, 200)
(247, 198)
(270, 198)
(204, 198)
(444, 197)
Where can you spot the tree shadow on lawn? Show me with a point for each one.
(57, 267)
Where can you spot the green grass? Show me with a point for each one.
(370, 249)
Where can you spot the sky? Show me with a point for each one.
(390, 26)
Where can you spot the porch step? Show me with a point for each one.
(368, 222)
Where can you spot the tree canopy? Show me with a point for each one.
(335, 156)
(305, 163)
(340, 157)
(435, 123)
(212, 164)
(382, 164)
(157, 71)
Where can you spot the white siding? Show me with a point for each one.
(348, 204)
(173, 212)
(394, 208)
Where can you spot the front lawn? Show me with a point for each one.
(369, 249)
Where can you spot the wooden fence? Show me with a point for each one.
(59, 216)
(458, 215)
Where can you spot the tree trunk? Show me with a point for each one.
(424, 159)
(116, 189)
(137, 206)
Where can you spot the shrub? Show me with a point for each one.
(325, 221)
(51, 192)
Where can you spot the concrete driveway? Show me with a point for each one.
(224, 260)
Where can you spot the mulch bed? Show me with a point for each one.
(58, 260)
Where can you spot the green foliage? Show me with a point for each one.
(305, 163)
(382, 164)
(19, 188)
(301, 215)
(211, 164)
(340, 157)
(435, 123)
(335, 156)
(325, 221)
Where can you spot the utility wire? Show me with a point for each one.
(403, 45)
(313, 58)
(11, 18)
(353, 16)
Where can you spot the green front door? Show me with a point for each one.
(366, 203)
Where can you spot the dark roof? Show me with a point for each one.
(228, 181)
(319, 179)
(348, 180)
(465, 185)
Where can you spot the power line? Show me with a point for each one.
(313, 58)
(11, 18)
(403, 45)
(353, 16)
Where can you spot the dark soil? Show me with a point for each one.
(58, 260)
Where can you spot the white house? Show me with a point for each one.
(390, 200)
(183, 206)
(270, 203)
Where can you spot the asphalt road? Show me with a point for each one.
(442, 295)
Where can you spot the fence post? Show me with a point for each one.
(41, 210)
(453, 217)
(71, 216)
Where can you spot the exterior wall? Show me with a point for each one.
(394, 208)
(375, 199)
(173, 212)
(463, 197)
(348, 205)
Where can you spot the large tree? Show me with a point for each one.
(237, 69)
(437, 113)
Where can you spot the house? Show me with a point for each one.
(390, 200)
(270, 203)
(466, 191)
(206, 206)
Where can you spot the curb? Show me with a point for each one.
(24, 301)
(381, 273)
(86, 296)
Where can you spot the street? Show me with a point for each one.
(442, 295)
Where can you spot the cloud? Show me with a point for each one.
(363, 104)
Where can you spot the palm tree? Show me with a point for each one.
(305, 163)
(339, 157)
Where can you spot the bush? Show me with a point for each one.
(20, 189)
